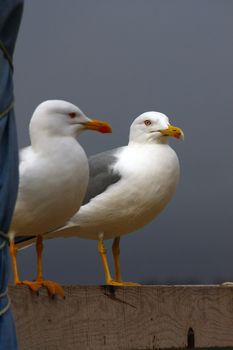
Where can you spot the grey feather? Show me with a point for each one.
(101, 173)
(101, 177)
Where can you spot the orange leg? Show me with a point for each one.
(52, 287)
(116, 256)
(102, 251)
(13, 253)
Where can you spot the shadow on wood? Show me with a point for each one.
(123, 318)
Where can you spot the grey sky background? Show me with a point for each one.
(115, 60)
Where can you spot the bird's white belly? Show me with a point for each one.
(132, 202)
(47, 201)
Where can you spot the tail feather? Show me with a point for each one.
(24, 241)
(64, 231)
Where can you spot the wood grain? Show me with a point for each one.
(124, 318)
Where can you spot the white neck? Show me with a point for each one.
(150, 141)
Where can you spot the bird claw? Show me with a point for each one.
(130, 284)
(114, 283)
(52, 287)
(33, 285)
(121, 283)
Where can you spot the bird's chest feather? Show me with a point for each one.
(150, 173)
(51, 189)
(149, 179)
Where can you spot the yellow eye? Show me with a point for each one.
(147, 122)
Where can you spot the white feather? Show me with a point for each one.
(53, 172)
(149, 170)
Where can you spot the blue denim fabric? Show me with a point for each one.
(10, 15)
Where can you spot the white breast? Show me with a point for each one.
(150, 174)
(52, 187)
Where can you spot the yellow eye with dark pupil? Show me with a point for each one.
(147, 122)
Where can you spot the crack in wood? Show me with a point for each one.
(190, 339)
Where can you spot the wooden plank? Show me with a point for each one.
(123, 318)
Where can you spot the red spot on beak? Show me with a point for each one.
(104, 129)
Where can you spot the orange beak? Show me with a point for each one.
(98, 125)
(173, 131)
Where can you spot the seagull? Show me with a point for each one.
(54, 176)
(128, 187)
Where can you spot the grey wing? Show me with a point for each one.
(102, 174)
(101, 177)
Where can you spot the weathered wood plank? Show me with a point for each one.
(123, 318)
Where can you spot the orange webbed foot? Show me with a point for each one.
(129, 283)
(52, 287)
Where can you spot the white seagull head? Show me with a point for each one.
(153, 127)
(61, 118)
